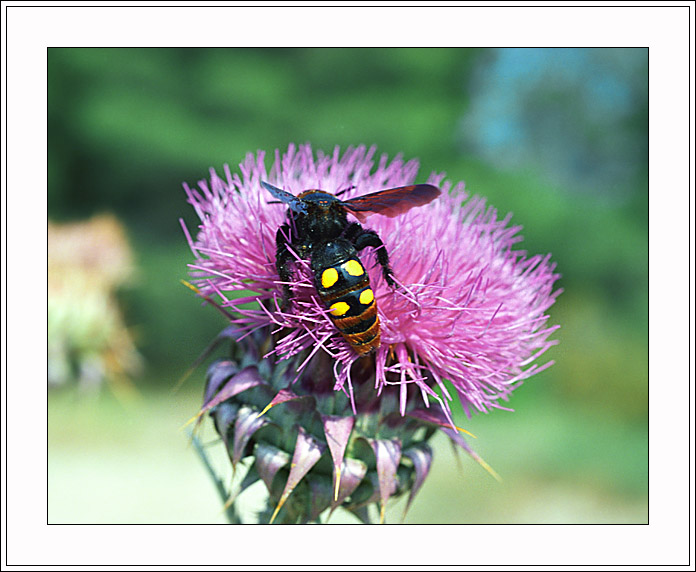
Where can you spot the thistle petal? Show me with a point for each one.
(436, 418)
(307, 452)
(459, 440)
(281, 397)
(352, 473)
(249, 479)
(225, 417)
(388, 455)
(376, 494)
(362, 514)
(246, 379)
(337, 430)
(321, 497)
(422, 457)
(269, 460)
(247, 423)
(218, 374)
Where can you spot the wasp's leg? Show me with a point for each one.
(284, 262)
(362, 238)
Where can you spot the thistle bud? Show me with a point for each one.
(324, 425)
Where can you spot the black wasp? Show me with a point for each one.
(319, 230)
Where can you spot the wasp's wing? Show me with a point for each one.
(283, 196)
(391, 202)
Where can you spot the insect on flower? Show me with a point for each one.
(318, 229)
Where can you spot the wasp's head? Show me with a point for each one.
(318, 201)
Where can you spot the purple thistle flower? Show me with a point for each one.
(467, 317)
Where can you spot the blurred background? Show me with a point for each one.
(558, 137)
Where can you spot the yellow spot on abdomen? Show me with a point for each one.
(329, 277)
(354, 268)
(339, 308)
(366, 296)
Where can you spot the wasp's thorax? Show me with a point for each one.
(325, 218)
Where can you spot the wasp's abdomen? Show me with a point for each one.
(345, 290)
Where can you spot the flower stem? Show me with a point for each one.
(230, 512)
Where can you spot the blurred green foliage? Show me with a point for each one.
(127, 126)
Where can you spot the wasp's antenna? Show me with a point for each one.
(339, 193)
(284, 197)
